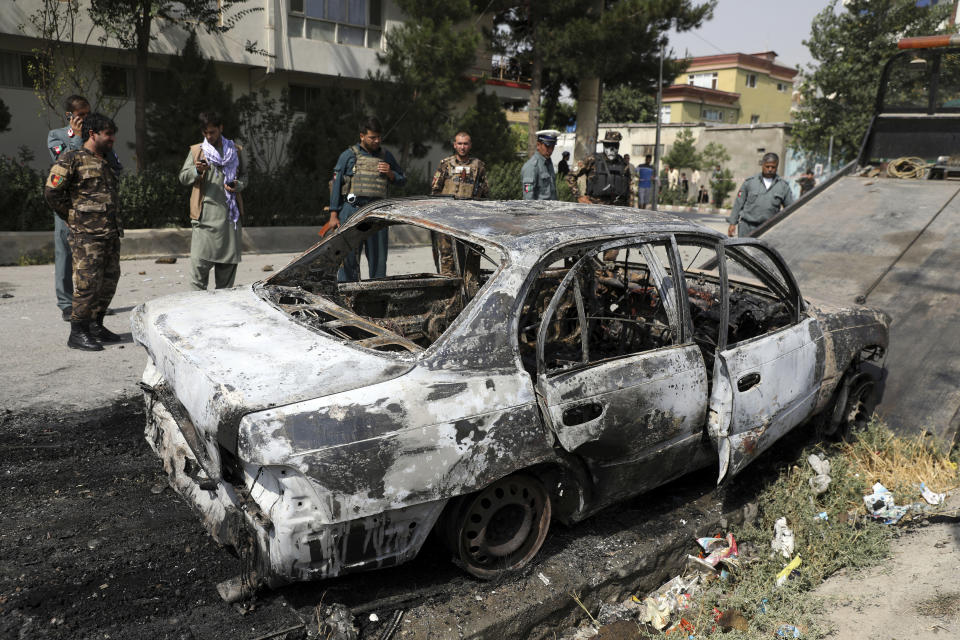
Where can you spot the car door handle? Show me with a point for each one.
(582, 413)
(748, 381)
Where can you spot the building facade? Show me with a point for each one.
(304, 46)
(734, 88)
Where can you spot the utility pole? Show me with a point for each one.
(656, 146)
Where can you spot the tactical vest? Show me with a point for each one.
(608, 180)
(366, 180)
(462, 179)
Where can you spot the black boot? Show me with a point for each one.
(80, 337)
(101, 333)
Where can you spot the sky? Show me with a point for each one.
(752, 26)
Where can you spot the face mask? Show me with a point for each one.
(610, 152)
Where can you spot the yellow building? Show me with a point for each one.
(733, 88)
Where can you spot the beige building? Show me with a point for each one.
(304, 46)
(733, 88)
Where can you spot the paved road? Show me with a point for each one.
(40, 371)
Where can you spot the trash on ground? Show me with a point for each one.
(267, 267)
(166, 260)
(930, 496)
(674, 595)
(544, 579)
(788, 570)
(880, 505)
(720, 550)
(821, 516)
(821, 466)
(788, 631)
(783, 539)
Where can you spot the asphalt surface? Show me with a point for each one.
(40, 372)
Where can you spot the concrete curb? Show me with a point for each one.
(144, 243)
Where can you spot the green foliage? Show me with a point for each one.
(488, 128)
(265, 127)
(683, 153)
(504, 180)
(153, 199)
(623, 103)
(284, 198)
(191, 86)
(22, 207)
(424, 73)
(564, 193)
(716, 155)
(850, 43)
(328, 128)
(4, 117)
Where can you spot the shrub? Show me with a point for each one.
(153, 199)
(504, 180)
(22, 206)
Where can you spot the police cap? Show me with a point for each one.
(548, 136)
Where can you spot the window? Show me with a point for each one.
(712, 115)
(752, 80)
(705, 80)
(353, 22)
(116, 82)
(617, 303)
(18, 70)
(761, 298)
(783, 87)
(665, 113)
(754, 118)
(302, 97)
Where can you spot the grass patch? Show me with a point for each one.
(37, 256)
(846, 539)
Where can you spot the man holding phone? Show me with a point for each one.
(215, 170)
(60, 141)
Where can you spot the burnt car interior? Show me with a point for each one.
(406, 311)
(615, 306)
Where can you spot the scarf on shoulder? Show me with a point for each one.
(228, 163)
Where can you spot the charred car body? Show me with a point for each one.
(581, 355)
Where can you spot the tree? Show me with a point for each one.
(715, 155)
(56, 68)
(130, 24)
(489, 130)
(424, 73)
(574, 46)
(683, 152)
(850, 42)
(623, 103)
(266, 124)
(189, 87)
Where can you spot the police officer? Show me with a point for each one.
(82, 190)
(608, 178)
(459, 176)
(760, 198)
(60, 141)
(537, 175)
(359, 178)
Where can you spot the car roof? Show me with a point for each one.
(532, 225)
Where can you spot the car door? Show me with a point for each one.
(768, 367)
(615, 380)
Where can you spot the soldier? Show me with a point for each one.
(82, 189)
(462, 177)
(60, 141)
(537, 175)
(760, 198)
(608, 179)
(359, 178)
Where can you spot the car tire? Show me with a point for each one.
(500, 528)
(849, 411)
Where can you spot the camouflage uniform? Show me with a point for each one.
(462, 180)
(82, 190)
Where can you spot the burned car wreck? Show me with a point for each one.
(579, 355)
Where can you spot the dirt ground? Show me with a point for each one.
(913, 594)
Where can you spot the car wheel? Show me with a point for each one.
(500, 528)
(850, 408)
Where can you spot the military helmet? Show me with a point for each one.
(612, 137)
